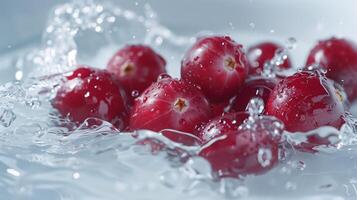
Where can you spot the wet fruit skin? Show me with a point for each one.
(89, 92)
(217, 65)
(237, 153)
(260, 53)
(170, 104)
(136, 67)
(306, 101)
(339, 58)
(218, 126)
(254, 87)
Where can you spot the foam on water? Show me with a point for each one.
(43, 156)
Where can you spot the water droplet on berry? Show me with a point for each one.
(255, 106)
(264, 157)
(163, 76)
(135, 93)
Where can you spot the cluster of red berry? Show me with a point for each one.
(218, 80)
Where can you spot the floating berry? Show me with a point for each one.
(253, 148)
(261, 53)
(170, 104)
(339, 59)
(136, 67)
(221, 125)
(306, 101)
(254, 87)
(217, 65)
(89, 92)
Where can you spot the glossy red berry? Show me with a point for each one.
(260, 87)
(170, 104)
(306, 101)
(217, 65)
(261, 53)
(136, 67)
(219, 109)
(242, 151)
(89, 92)
(339, 58)
(229, 122)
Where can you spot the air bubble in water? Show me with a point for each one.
(170, 178)
(264, 157)
(290, 186)
(233, 188)
(33, 102)
(7, 116)
(198, 167)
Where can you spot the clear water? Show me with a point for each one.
(45, 157)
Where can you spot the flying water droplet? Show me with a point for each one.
(255, 107)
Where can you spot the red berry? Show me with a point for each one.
(247, 150)
(89, 92)
(136, 67)
(261, 53)
(254, 87)
(170, 104)
(339, 58)
(306, 101)
(217, 65)
(221, 125)
(218, 109)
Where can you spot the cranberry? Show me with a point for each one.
(89, 92)
(170, 104)
(221, 125)
(261, 53)
(339, 58)
(136, 67)
(217, 65)
(254, 87)
(220, 108)
(242, 151)
(306, 101)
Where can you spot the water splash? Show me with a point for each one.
(71, 25)
(39, 147)
(271, 68)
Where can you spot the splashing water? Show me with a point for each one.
(43, 156)
(271, 68)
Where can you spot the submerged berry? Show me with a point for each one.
(250, 149)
